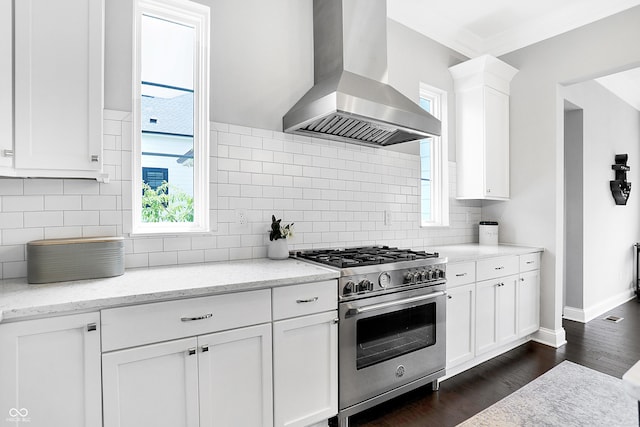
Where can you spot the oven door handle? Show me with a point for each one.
(367, 308)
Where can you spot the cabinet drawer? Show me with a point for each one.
(497, 267)
(299, 300)
(461, 274)
(530, 262)
(149, 323)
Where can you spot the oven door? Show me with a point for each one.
(390, 340)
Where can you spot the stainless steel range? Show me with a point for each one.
(392, 305)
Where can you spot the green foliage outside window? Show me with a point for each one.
(166, 203)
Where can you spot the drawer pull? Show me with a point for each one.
(335, 321)
(529, 262)
(449, 297)
(204, 348)
(499, 268)
(91, 327)
(461, 274)
(191, 319)
(191, 351)
(302, 301)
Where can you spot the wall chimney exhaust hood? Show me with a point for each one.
(351, 100)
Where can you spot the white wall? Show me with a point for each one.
(611, 126)
(534, 215)
(335, 193)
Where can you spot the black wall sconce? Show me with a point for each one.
(620, 188)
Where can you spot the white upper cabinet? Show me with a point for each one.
(482, 127)
(6, 85)
(58, 88)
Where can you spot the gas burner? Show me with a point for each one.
(364, 255)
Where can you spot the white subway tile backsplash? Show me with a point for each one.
(336, 194)
(22, 203)
(11, 186)
(81, 218)
(43, 186)
(10, 220)
(21, 236)
(43, 219)
(163, 258)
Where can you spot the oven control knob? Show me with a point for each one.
(408, 277)
(417, 277)
(365, 285)
(439, 274)
(384, 280)
(348, 288)
(426, 275)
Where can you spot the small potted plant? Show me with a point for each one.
(278, 235)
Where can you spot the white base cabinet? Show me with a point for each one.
(50, 372)
(217, 379)
(461, 324)
(305, 354)
(495, 313)
(305, 369)
(493, 305)
(528, 303)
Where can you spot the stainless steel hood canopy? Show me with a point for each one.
(351, 100)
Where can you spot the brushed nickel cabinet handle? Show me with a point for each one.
(499, 268)
(204, 348)
(191, 351)
(191, 319)
(302, 301)
(529, 262)
(91, 327)
(461, 274)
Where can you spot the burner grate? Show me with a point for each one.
(365, 255)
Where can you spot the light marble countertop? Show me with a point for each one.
(18, 299)
(474, 251)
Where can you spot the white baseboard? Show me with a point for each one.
(550, 337)
(575, 314)
(590, 313)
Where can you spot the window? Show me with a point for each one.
(434, 188)
(171, 117)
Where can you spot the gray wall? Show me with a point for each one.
(611, 126)
(262, 60)
(573, 176)
(534, 215)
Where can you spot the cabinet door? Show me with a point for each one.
(6, 84)
(507, 303)
(486, 315)
(305, 369)
(460, 324)
(154, 385)
(235, 378)
(58, 85)
(496, 165)
(50, 372)
(529, 303)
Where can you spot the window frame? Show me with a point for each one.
(439, 160)
(197, 16)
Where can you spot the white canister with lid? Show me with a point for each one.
(488, 233)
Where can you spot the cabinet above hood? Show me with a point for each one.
(351, 100)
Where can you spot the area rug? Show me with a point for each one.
(568, 395)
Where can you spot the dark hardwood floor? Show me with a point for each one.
(611, 348)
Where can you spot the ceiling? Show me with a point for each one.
(497, 27)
